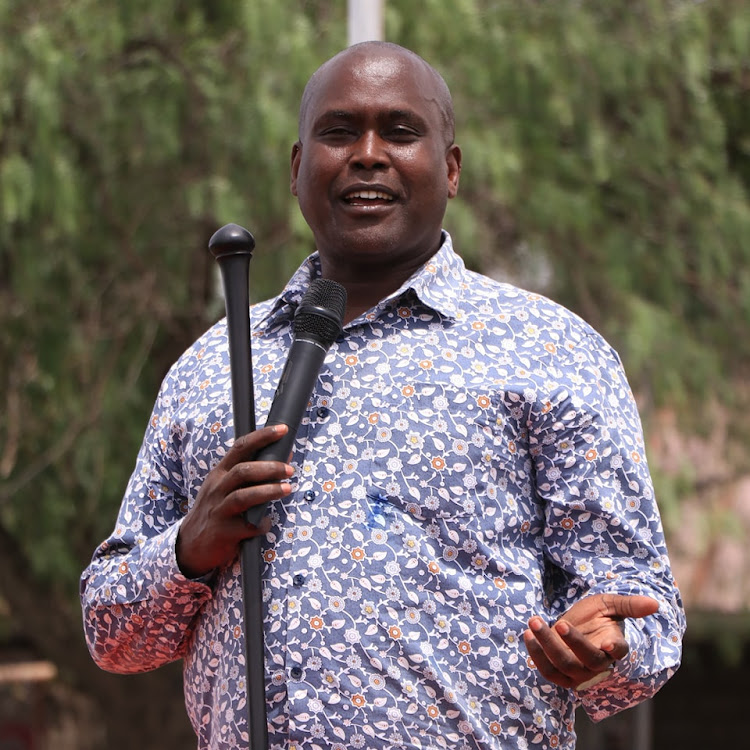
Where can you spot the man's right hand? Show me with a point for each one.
(214, 527)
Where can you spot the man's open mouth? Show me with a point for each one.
(365, 196)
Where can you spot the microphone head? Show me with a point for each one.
(320, 314)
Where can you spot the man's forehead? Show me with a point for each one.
(357, 68)
(383, 66)
(383, 69)
(382, 78)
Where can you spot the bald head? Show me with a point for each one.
(434, 86)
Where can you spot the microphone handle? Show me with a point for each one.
(289, 404)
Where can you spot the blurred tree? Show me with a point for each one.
(607, 164)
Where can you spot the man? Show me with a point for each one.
(465, 543)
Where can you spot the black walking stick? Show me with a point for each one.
(232, 246)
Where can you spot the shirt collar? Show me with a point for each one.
(438, 284)
(283, 307)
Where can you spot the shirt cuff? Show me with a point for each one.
(171, 580)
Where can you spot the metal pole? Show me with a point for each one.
(643, 726)
(364, 20)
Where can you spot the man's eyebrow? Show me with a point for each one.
(335, 114)
(406, 115)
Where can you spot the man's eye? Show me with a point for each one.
(336, 132)
(402, 133)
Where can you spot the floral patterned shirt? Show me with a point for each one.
(472, 455)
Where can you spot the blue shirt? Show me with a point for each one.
(472, 456)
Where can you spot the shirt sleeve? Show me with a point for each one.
(138, 608)
(603, 532)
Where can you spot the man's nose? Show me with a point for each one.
(370, 151)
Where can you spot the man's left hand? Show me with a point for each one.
(581, 648)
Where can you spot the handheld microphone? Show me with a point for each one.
(317, 323)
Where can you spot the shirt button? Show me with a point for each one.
(296, 672)
(298, 580)
(310, 495)
(323, 412)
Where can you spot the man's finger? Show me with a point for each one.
(560, 656)
(246, 446)
(591, 656)
(545, 667)
(251, 473)
(625, 607)
(248, 497)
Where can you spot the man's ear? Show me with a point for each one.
(296, 154)
(453, 160)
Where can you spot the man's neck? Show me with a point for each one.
(367, 284)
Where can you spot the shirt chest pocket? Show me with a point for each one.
(434, 450)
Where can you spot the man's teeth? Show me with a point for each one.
(370, 195)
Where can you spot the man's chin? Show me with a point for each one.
(379, 244)
(371, 243)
